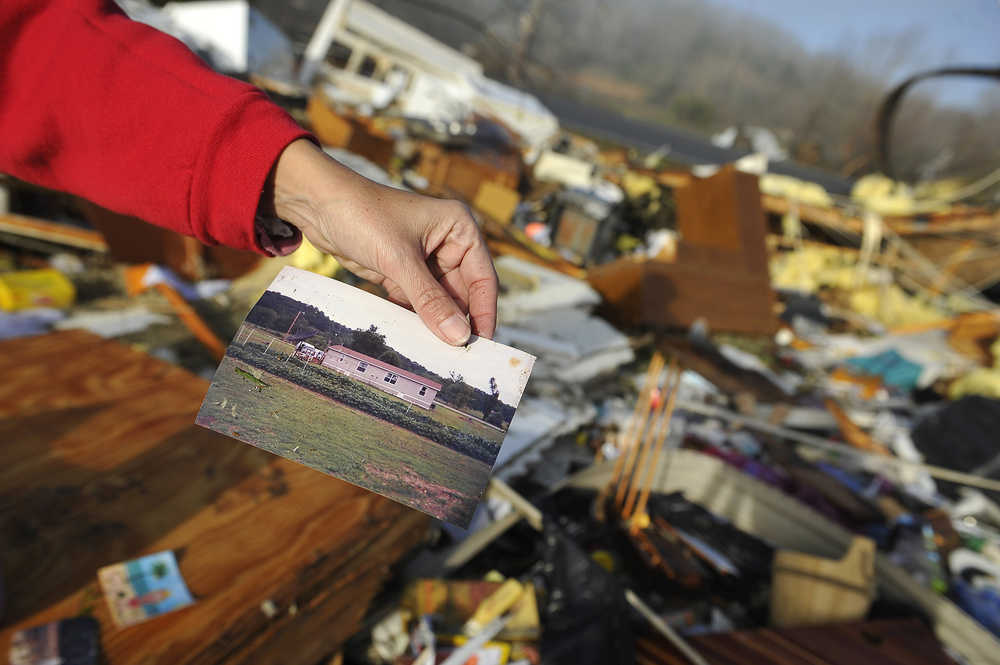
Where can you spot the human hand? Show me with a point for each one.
(427, 253)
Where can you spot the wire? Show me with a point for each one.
(887, 110)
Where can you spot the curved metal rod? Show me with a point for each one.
(886, 112)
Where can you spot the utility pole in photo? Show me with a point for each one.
(292, 325)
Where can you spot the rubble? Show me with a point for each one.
(233, 36)
(747, 388)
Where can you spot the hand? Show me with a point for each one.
(427, 253)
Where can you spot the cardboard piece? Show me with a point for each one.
(356, 387)
(497, 201)
(454, 602)
(720, 274)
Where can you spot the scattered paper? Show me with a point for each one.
(143, 588)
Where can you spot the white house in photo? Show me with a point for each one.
(381, 375)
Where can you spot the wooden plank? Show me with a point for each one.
(101, 462)
(77, 369)
(885, 642)
(829, 217)
(54, 232)
(939, 224)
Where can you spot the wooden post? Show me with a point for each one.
(292, 325)
(658, 429)
(655, 367)
(675, 388)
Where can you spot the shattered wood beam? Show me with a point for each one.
(53, 232)
(828, 217)
(838, 220)
(640, 418)
(626, 436)
(502, 490)
(834, 447)
(633, 477)
(657, 426)
(931, 271)
(674, 388)
(480, 540)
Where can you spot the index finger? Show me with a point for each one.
(481, 280)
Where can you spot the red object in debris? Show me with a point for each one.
(112, 110)
(536, 231)
(655, 399)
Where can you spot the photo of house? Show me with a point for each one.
(383, 376)
(358, 388)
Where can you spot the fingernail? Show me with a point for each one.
(456, 329)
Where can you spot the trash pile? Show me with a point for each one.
(756, 403)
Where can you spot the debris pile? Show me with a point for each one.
(756, 403)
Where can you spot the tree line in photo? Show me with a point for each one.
(300, 322)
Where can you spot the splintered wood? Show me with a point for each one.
(101, 462)
(641, 444)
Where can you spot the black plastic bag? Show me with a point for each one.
(584, 615)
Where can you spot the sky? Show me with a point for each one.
(949, 31)
(407, 334)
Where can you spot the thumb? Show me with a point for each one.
(433, 304)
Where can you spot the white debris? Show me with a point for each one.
(113, 323)
(269, 609)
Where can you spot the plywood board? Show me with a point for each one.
(101, 462)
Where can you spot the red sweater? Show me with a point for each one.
(98, 105)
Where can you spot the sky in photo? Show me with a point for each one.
(407, 334)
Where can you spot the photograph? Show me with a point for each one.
(143, 588)
(352, 385)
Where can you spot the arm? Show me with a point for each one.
(114, 111)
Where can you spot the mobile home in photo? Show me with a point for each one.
(381, 375)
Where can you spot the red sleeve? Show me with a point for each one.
(98, 105)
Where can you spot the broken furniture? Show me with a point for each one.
(101, 461)
(721, 270)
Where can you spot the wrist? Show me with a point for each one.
(291, 196)
(305, 182)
